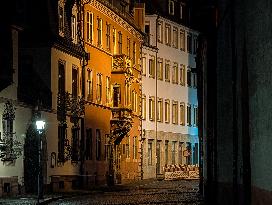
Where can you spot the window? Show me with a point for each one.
(152, 67)
(160, 69)
(168, 34)
(128, 47)
(134, 101)
(89, 31)
(189, 115)
(151, 108)
(134, 53)
(189, 79)
(135, 147)
(167, 110)
(144, 65)
(74, 28)
(180, 153)
(189, 43)
(90, 84)
(98, 144)
(74, 82)
(114, 40)
(167, 71)
(160, 32)
(61, 19)
(108, 94)
(120, 42)
(194, 76)
(173, 152)
(195, 116)
(108, 36)
(99, 32)
(144, 107)
(181, 11)
(175, 112)
(149, 152)
(89, 144)
(166, 152)
(182, 113)
(175, 74)
(171, 7)
(99, 88)
(128, 95)
(116, 95)
(195, 45)
(175, 37)
(160, 110)
(127, 148)
(182, 75)
(62, 132)
(53, 159)
(61, 78)
(182, 40)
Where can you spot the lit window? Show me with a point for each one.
(144, 65)
(99, 32)
(152, 67)
(108, 36)
(128, 47)
(160, 32)
(167, 110)
(167, 71)
(89, 28)
(99, 88)
(182, 40)
(151, 108)
(144, 107)
(168, 34)
(160, 110)
(182, 113)
(160, 69)
(61, 19)
(175, 37)
(74, 28)
(175, 74)
(108, 90)
(120, 43)
(175, 112)
(90, 85)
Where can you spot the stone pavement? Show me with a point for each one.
(149, 191)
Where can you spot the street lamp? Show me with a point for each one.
(40, 125)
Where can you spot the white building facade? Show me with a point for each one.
(169, 96)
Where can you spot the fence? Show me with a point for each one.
(174, 172)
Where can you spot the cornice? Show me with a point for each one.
(127, 24)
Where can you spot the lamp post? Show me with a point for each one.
(40, 125)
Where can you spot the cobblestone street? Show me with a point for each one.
(145, 192)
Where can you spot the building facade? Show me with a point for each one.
(169, 97)
(112, 122)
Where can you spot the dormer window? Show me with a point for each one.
(61, 20)
(171, 7)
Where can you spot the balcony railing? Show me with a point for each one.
(121, 123)
(121, 64)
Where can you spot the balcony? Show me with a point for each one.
(121, 64)
(121, 123)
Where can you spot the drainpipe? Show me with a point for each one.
(156, 95)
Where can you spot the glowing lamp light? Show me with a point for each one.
(40, 124)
